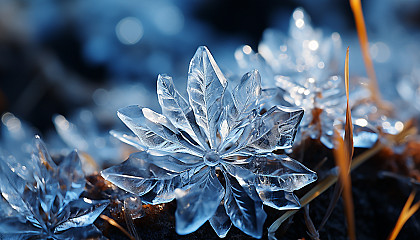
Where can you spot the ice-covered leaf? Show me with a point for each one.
(276, 129)
(128, 139)
(155, 131)
(246, 94)
(280, 200)
(199, 203)
(72, 179)
(177, 109)
(244, 207)
(79, 213)
(206, 86)
(220, 221)
(144, 172)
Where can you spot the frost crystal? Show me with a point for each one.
(218, 134)
(41, 199)
(305, 64)
(83, 133)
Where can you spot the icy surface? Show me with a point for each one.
(218, 132)
(305, 65)
(41, 199)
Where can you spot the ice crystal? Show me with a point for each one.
(15, 136)
(97, 148)
(219, 133)
(304, 65)
(41, 199)
(409, 87)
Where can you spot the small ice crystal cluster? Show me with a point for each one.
(41, 200)
(219, 133)
(305, 65)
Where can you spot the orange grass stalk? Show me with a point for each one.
(356, 7)
(343, 153)
(406, 213)
(115, 224)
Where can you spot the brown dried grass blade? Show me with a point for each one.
(356, 7)
(406, 213)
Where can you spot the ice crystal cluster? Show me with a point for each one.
(305, 65)
(96, 148)
(41, 200)
(212, 152)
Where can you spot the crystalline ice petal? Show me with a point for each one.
(220, 221)
(128, 139)
(135, 175)
(162, 192)
(277, 129)
(139, 175)
(155, 131)
(205, 87)
(177, 109)
(12, 188)
(246, 95)
(244, 207)
(280, 200)
(72, 179)
(273, 172)
(45, 176)
(80, 213)
(198, 204)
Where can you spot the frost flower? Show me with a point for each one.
(41, 200)
(305, 65)
(212, 152)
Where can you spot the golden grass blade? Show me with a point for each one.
(356, 7)
(406, 213)
(348, 141)
(341, 155)
(348, 129)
